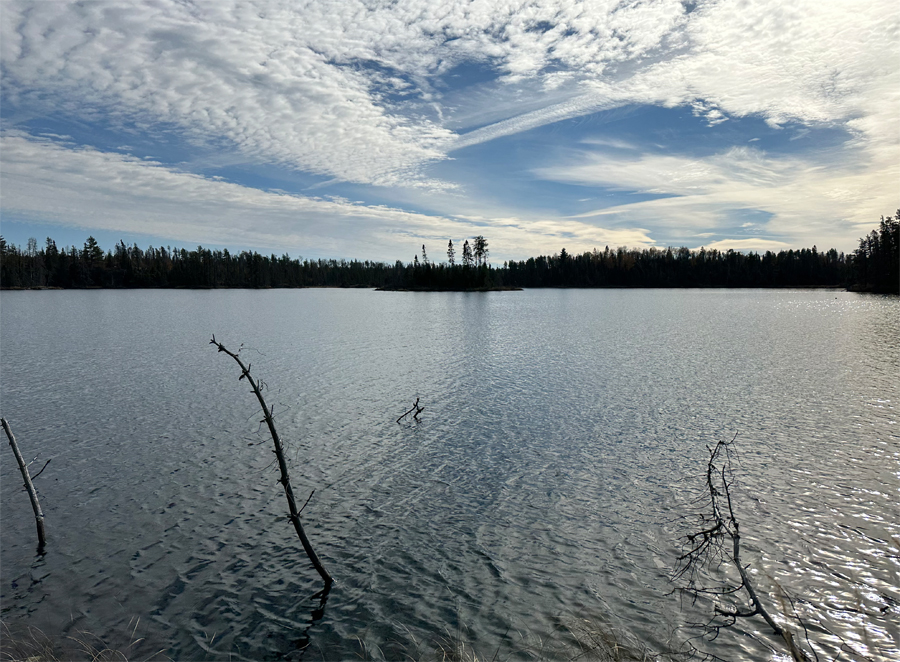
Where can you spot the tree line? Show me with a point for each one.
(682, 267)
(876, 263)
(874, 266)
(166, 267)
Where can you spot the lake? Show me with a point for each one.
(539, 493)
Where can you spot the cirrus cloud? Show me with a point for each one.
(84, 187)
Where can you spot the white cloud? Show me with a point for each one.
(227, 68)
(288, 82)
(84, 187)
(358, 91)
(820, 64)
(263, 79)
(573, 107)
(292, 84)
(808, 202)
(111, 191)
(806, 61)
(712, 114)
(755, 244)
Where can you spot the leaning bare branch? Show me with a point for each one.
(35, 505)
(285, 480)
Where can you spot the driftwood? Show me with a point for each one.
(35, 505)
(282, 465)
(415, 408)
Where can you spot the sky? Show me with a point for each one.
(365, 129)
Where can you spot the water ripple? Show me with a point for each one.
(563, 433)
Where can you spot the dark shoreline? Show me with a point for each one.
(504, 288)
(873, 267)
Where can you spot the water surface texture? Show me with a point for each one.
(564, 432)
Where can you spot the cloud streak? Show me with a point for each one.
(807, 203)
(84, 187)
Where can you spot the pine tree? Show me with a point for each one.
(467, 254)
(92, 251)
(481, 250)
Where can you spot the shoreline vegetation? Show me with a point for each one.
(873, 267)
(577, 638)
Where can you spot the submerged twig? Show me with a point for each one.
(42, 469)
(415, 408)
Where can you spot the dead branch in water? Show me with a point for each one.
(415, 408)
(35, 505)
(282, 465)
(708, 547)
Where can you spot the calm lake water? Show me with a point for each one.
(564, 432)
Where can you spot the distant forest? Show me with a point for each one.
(873, 267)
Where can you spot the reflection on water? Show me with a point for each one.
(562, 434)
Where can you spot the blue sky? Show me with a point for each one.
(365, 129)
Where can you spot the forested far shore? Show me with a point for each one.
(874, 266)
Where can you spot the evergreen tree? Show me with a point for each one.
(876, 263)
(451, 253)
(92, 253)
(480, 250)
(467, 254)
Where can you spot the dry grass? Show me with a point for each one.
(32, 645)
(602, 642)
(581, 640)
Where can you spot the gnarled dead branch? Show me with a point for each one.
(716, 540)
(415, 408)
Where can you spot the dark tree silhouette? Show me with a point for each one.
(876, 263)
(467, 259)
(872, 267)
(480, 250)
